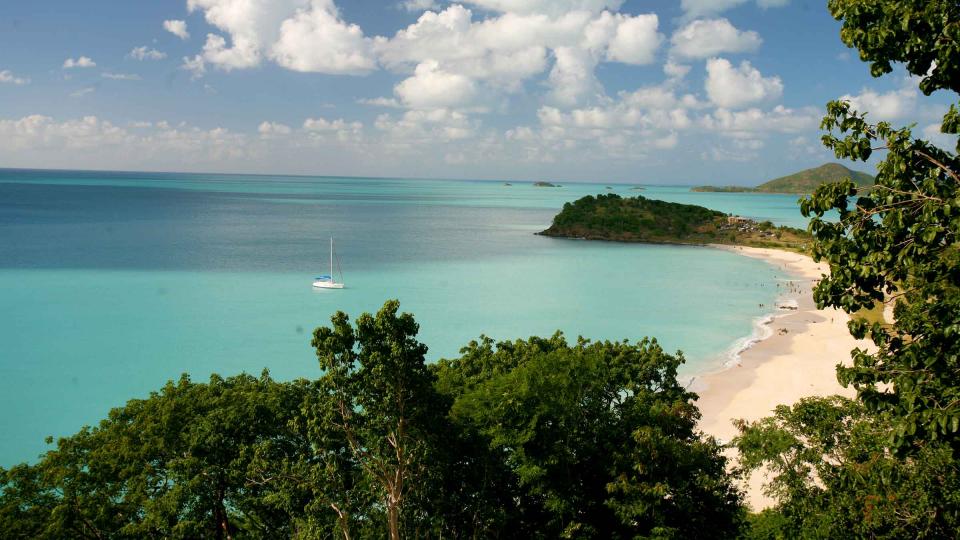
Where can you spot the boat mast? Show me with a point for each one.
(331, 260)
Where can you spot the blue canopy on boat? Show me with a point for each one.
(324, 277)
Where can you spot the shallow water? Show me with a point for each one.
(113, 283)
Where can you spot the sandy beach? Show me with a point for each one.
(799, 359)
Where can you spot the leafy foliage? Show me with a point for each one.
(531, 439)
(175, 465)
(598, 438)
(833, 478)
(383, 402)
(638, 219)
(898, 242)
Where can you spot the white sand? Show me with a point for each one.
(783, 368)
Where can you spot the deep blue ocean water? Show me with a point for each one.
(113, 283)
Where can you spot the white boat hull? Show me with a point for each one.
(327, 285)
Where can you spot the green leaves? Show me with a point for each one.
(598, 439)
(179, 464)
(832, 477)
(900, 241)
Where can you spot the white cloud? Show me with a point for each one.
(548, 7)
(698, 8)
(419, 5)
(90, 142)
(423, 127)
(502, 50)
(636, 40)
(7, 77)
(780, 119)
(146, 53)
(391, 103)
(177, 28)
(82, 62)
(120, 76)
(432, 88)
(705, 38)
(340, 129)
(273, 129)
(675, 71)
(572, 76)
(733, 87)
(196, 66)
(302, 35)
(316, 40)
(945, 141)
(893, 105)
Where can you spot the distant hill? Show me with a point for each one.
(803, 182)
(639, 219)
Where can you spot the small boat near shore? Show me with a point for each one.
(326, 281)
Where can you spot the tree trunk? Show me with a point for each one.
(220, 516)
(393, 520)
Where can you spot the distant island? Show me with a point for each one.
(545, 184)
(803, 182)
(639, 219)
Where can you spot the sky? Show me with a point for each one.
(664, 92)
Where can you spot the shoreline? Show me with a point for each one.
(797, 360)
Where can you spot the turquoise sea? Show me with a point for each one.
(113, 283)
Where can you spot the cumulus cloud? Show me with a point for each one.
(146, 53)
(706, 38)
(94, 142)
(82, 62)
(7, 77)
(733, 87)
(338, 129)
(423, 127)
(488, 55)
(635, 40)
(780, 119)
(432, 88)
(302, 35)
(501, 50)
(572, 76)
(419, 5)
(892, 105)
(177, 28)
(316, 40)
(268, 130)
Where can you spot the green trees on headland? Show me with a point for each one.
(639, 219)
(804, 182)
(528, 439)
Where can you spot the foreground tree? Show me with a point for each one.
(528, 439)
(175, 465)
(885, 466)
(833, 478)
(898, 242)
(384, 404)
(598, 439)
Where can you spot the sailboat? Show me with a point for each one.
(327, 281)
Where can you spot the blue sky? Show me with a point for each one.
(695, 91)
